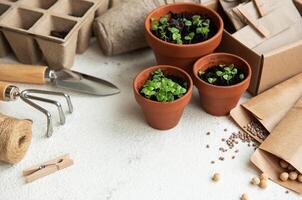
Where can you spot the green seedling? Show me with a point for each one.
(222, 75)
(176, 28)
(162, 88)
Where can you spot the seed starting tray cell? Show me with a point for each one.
(54, 30)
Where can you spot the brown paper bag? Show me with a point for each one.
(282, 20)
(269, 107)
(228, 9)
(251, 37)
(284, 142)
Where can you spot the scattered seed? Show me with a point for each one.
(300, 178)
(225, 130)
(287, 192)
(221, 158)
(255, 180)
(290, 168)
(257, 129)
(233, 157)
(245, 196)
(216, 177)
(237, 150)
(263, 183)
(284, 176)
(241, 136)
(208, 146)
(283, 164)
(212, 162)
(263, 176)
(223, 140)
(208, 133)
(293, 175)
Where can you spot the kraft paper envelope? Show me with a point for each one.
(269, 107)
(251, 38)
(228, 9)
(282, 20)
(284, 142)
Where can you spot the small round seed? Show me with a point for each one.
(283, 164)
(263, 176)
(300, 178)
(263, 183)
(290, 168)
(293, 175)
(255, 181)
(216, 177)
(284, 176)
(245, 196)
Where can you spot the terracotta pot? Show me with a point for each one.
(219, 100)
(162, 115)
(182, 56)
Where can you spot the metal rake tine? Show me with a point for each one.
(56, 103)
(66, 96)
(49, 130)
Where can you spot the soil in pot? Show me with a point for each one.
(163, 92)
(183, 28)
(221, 79)
(222, 75)
(181, 33)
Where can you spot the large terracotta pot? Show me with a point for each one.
(219, 100)
(161, 115)
(182, 56)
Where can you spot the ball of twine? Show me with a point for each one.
(15, 138)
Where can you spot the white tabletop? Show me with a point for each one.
(118, 156)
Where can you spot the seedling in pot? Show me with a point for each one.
(183, 28)
(222, 75)
(163, 88)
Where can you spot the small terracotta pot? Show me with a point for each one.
(220, 100)
(182, 56)
(161, 115)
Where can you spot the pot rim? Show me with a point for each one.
(196, 66)
(189, 79)
(219, 32)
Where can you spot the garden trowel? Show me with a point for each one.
(63, 78)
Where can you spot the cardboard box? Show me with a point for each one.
(268, 69)
(27, 29)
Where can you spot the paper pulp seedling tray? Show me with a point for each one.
(51, 29)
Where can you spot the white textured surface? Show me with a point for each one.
(118, 156)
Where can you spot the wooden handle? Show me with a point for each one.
(22, 73)
(3, 87)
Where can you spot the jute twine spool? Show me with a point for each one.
(15, 138)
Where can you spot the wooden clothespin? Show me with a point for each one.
(38, 171)
(260, 29)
